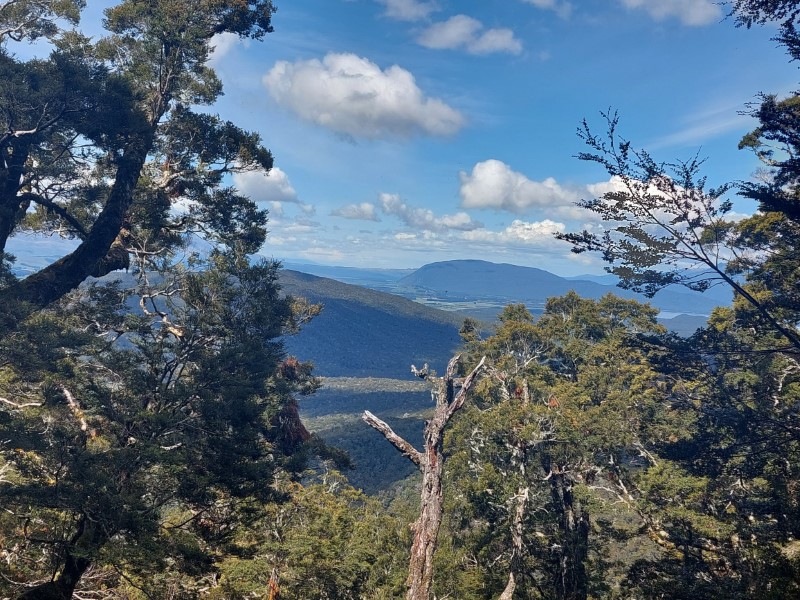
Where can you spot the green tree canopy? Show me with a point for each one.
(141, 424)
(101, 140)
(571, 409)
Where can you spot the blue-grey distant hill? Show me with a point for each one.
(720, 293)
(477, 279)
(373, 278)
(367, 333)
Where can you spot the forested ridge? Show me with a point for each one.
(150, 440)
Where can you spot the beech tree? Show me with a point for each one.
(100, 140)
(328, 541)
(569, 414)
(143, 424)
(728, 526)
(666, 228)
(31, 19)
(143, 421)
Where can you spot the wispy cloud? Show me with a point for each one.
(464, 32)
(408, 10)
(365, 211)
(562, 8)
(693, 13)
(706, 125)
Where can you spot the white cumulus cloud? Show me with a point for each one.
(407, 10)
(690, 12)
(353, 96)
(365, 211)
(463, 32)
(423, 218)
(676, 199)
(601, 188)
(270, 188)
(520, 233)
(221, 45)
(493, 184)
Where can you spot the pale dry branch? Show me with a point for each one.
(19, 406)
(430, 463)
(458, 401)
(405, 448)
(77, 412)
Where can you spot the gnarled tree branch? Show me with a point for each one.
(405, 448)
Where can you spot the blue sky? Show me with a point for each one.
(406, 132)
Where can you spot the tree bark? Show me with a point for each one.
(63, 586)
(430, 462)
(571, 581)
(511, 586)
(517, 542)
(11, 171)
(51, 283)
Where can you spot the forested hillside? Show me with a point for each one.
(364, 333)
(151, 444)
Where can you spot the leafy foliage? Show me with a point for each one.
(557, 431)
(101, 141)
(134, 435)
(330, 541)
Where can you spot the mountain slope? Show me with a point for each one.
(366, 333)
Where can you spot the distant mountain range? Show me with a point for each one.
(363, 334)
(477, 279)
(464, 287)
(480, 289)
(374, 278)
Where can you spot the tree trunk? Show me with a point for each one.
(508, 593)
(11, 171)
(426, 528)
(63, 586)
(430, 463)
(570, 579)
(517, 542)
(66, 274)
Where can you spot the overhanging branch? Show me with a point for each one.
(56, 209)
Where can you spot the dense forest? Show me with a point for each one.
(150, 441)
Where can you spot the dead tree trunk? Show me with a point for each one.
(430, 463)
(517, 543)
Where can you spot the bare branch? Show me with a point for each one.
(76, 411)
(402, 445)
(458, 401)
(19, 406)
